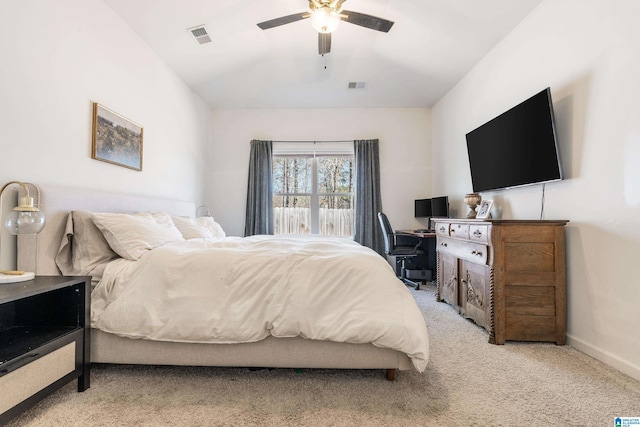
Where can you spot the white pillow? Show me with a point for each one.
(131, 235)
(83, 251)
(203, 227)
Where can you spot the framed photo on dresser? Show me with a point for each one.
(485, 209)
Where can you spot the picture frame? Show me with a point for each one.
(485, 209)
(116, 139)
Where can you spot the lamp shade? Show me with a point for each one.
(24, 218)
(24, 222)
(325, 20)
(203, 211)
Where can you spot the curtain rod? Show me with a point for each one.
(316, 142)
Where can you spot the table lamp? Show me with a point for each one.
(203, 211)
(23, 219)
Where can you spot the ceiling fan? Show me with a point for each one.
(325, 16)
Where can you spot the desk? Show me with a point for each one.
(428, 245)
(422, 235)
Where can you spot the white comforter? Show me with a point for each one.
(239, 290)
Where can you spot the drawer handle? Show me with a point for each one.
(477, 233)
(474, 252)
(442, 229)
(18, 363)
(443, 244)
(453, 230)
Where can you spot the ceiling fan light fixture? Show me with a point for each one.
(325, 20)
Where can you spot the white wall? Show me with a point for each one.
(60, 56)
(405, 153)
(588, 52)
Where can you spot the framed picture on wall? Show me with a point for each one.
(485, 209)
(116, 139)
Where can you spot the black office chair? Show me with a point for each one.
(400, 246)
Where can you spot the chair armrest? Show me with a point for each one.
(407, 240)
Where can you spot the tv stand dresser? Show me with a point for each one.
(508, 276)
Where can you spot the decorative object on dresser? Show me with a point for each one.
(25, 218)
(472, 200)
(116, 139)
(508, 276)
(44, 340)
(485, 209)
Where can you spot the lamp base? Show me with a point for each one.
(13, 278)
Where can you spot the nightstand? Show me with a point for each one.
(44, 339)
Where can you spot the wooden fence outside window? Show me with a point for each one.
(294, 220)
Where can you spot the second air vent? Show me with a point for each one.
(200, 34)
(357, 85)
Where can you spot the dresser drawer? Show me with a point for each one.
(459, 231)
(474, 252)
(17, 386)
(442, 229)
(479, 233)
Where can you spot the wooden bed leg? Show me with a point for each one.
(391, 374)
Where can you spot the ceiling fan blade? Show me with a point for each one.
(367, 21)
(338, 4)
(324, 43)
(283, 20)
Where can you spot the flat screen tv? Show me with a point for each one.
(516, 148)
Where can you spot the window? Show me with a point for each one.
(313, 193)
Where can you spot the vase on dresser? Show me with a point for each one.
(472, 200)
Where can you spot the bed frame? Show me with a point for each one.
(37, 253)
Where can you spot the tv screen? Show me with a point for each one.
(440, 207)
(423, 208)
(516, 148)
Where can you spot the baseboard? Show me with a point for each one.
(615, 362)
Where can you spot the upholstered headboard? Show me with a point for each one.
(37, 253)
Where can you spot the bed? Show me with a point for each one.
(295, 343)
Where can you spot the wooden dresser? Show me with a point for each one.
(508, 276)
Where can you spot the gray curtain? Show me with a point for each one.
(259, 215)
(367, 189)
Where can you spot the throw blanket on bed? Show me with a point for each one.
(237, 290)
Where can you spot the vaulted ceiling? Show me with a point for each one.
(431, 46)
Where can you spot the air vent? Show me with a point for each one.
(200, 34)
(357, 85)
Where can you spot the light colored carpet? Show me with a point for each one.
(468, 382)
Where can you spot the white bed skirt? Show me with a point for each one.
(271, 352)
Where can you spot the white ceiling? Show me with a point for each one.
(432, 45)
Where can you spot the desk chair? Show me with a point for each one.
(401, 246)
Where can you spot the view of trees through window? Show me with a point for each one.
(313, 195)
